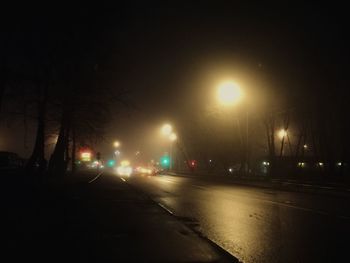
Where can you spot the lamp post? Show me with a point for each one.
(116, 145)
(167, 130)
(172, 138)
(229, 94)
(282, 134)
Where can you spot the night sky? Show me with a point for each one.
(169, 57)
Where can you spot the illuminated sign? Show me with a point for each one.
(86, 156)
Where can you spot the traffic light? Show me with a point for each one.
(193, 163)
(165, 161)
(111, 163)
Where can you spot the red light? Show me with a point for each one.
(193, 163)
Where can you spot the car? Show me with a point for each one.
(124, 170)
(157, 171)
(10, 161)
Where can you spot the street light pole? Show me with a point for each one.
(247, 140)
(171, 156)
(229, 93)
(172, 138)
(167, 130)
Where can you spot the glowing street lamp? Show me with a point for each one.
(173, 137)
(229, 93)
(166, 129)
(116, 144)
(282, 133)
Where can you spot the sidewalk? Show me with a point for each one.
(102, 221)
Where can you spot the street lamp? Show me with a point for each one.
(166, 129)
(116, 145)
(229, 94)
(172, 137)
(282, 133)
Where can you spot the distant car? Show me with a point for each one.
(147, 170)
(10, 160)
(157, 171)
(124, 170)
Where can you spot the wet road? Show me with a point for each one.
(257, 224)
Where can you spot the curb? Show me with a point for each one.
(226, 255)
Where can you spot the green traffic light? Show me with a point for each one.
(165, 161)
(111, 163)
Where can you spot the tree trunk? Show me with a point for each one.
(73, 164)
(270, 134)
(66, 147)
(3, 82)
(37, 159)
(57, 163)
(2, 90)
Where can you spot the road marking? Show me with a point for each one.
(162, 206)
(168, 181)
(123, 179)
(200, 187)
(311, 185)
(305, 209)
(97, 176)
(291, 205)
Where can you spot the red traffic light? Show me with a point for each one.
(193, 163)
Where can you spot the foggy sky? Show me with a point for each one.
(167, 57)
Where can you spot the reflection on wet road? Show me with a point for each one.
(256, 224)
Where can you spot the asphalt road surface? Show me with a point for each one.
(256, 224)
(93, 218)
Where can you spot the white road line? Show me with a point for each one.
(306, 209)
(168, 181)
(123, 179)
(97, 176)
(200, 187)
(290, 205)
(162, 206)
